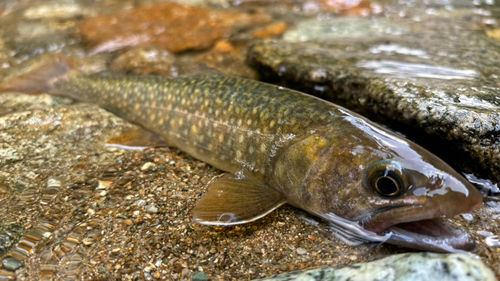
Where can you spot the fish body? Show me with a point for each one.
(282, 146)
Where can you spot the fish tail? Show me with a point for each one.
(39, 80)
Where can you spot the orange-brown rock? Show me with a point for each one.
(272, 30)
(172, 26)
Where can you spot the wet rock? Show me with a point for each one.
(10, 103)
(272, 30)
(146, 60)
(346, 7)
(314, 29)
(418, 266)
(443, 80)
(171, 26)
(229, 59)
(56, 9)
(28, 34)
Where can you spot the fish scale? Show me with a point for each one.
(231, 123)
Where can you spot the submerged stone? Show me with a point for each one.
(229, 59)
(442, 80)
(10, 234)
(172, 26)
(146, 60)
(200, 276)
(11, 263)
(412, 267)
(315, 29)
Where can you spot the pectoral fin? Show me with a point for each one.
(236, 200)
(137, 138)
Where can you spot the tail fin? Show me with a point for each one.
(39, 80)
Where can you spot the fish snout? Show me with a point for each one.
(453, 197)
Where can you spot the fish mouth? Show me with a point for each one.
(419, 230)
(430, 234)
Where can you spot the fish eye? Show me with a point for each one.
(387, 186)
(386, 178)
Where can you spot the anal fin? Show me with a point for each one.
(137, 138)
(236, 200)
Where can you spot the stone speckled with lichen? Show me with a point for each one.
(409, 267)
(448, 88)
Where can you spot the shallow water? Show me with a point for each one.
(72, 207)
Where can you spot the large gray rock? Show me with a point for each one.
(408, 267)
(439, 77)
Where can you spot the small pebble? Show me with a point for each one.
(484, 233)
(141, 203)
(11, 263)
(493, 241)
(103, 184)
(152, 209)
(147, 276)
(53, 183)
(301, 251)
(149, 166)
(200, 276)
(101, 269)
(88, 241)
(468, 217)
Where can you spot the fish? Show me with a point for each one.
(280, 146)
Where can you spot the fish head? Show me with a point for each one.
(383, 185)
(405, 197)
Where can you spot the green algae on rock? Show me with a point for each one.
(445, 87)
(409, 267)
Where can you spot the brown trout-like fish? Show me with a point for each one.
(282, 146)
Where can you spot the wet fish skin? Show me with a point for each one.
(230, 127)
(281, 146)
